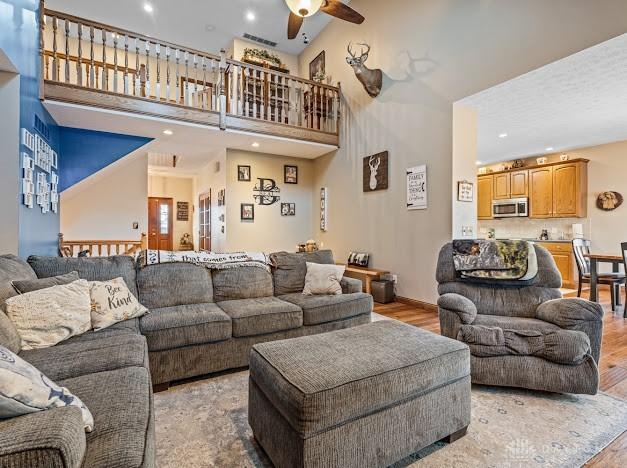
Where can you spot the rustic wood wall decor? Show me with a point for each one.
(182, 211)
(375, 170)
(266, 191)
(609, 201)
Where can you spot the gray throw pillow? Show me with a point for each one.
(26, 286)
(24, 389)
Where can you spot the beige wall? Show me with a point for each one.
(432, 53)
(180, 189)
(606, 230)
(106, 205)
(464, 169)
(212, 177)
(270, 231)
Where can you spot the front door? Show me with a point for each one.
(160, 223)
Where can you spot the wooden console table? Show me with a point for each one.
(366, 275)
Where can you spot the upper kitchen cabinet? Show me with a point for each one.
(485, 196)
(510, 185)
(541, 192)
(519, 184)
(570, 189)
(502, 186)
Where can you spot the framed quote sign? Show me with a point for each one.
(465, 191)
(417, 188)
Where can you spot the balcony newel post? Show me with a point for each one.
(222, 89)
(42, 55)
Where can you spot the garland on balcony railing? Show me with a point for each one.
(262, 55)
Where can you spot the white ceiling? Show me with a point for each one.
(187, 22)
(575, 102)
(195, 145)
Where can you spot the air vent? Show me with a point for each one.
(260, 40)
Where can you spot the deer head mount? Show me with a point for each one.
(371, 79)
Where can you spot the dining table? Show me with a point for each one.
(595, 260)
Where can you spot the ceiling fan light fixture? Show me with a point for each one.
(304, 8)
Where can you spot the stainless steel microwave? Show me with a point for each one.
(511, 208)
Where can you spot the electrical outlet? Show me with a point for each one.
(467, 231)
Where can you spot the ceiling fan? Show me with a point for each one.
(300, 9)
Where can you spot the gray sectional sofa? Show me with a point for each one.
(200, 321)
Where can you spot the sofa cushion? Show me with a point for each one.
(86, 357)
(173, 327)
(11, 268)
(128, 327)
(290, 269)
(121, 402)
(322, 309)
(26, 286)
(89, 268)
(173, 284)
(318, 382)
(515, 323)
(262, 315)
(241, 283)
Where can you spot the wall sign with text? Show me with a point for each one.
(417, 188)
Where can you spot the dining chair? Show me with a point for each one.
(581, 247)
(623, 249)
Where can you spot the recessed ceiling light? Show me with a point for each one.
(168, 132)
(502, 135)
(479, 163)
(255, 145)
(550, 148)
(250, 15)
(148, 8)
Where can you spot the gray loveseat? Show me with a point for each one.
(200, 322)
(533, 307)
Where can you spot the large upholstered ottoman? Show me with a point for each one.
(361, 397)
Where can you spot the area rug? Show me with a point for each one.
(204, 424)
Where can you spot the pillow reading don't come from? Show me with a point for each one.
(113, 302)
(24, 389)
(48, 316)
(323, 279)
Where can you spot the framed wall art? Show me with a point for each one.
(465, 191)
(375, 172)
(290, 174)
(317, 67)
(247, 212)
(243, 173)
(417, 188)
(288, 209)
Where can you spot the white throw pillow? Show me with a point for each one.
(323, 279)
(113, 302)
(48, 316)
(24, 389)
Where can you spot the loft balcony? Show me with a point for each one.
(93, 64)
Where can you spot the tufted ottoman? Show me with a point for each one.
(365, 396)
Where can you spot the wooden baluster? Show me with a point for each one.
(242, 91)
(117, 249)
(205, 94)
(195, 94)
(100, 250)
(254, 82)
(337, 109)
(215, 94)
(105, 70)
(79, 66)
(115, 62)
(178, 77)
(158, 82)
(138, 90)
(147, 69)
(91, 80)
(56, 67)
(222, 105)
(167, 73)
(245, 93)
(186, 90)
(67, 51)
(272, 98)
(126, 90)
(46, 62)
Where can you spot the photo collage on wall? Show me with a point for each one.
(39, 186)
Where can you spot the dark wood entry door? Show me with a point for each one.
(160, 220)
(204, 221)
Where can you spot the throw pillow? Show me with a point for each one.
(323, 279)
(113, 302)
(24, 389)
(46, 317)
(27, 286)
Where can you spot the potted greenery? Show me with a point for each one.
(262, 57)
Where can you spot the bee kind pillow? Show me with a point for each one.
(113, 302)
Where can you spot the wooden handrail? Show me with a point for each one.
(77, 52)
(98, 248)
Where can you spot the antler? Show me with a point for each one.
(350, 51)
(363, 44)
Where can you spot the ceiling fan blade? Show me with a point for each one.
(342, 11)
(293, 25)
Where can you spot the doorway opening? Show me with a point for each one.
(204, 221)
(160, 236)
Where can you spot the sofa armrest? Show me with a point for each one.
(455, 310)
(54, 437)
(351, 285)
(575, 314)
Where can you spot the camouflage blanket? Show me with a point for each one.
(494, 260)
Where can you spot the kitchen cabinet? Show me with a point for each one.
(563, 255)
(502, 185)
(570, 182)
(541, 192)
(519, 185)
(485, 196)
(510, 185)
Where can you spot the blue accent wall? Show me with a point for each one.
(86, 152)
(19, 38)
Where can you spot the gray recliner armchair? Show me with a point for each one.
(537, 306)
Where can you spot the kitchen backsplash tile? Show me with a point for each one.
(527, 228)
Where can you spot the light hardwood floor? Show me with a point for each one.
(613, 364)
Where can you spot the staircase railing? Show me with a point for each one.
(100, 248)
(77, 52)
